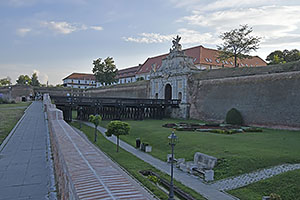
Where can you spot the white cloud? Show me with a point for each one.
(23, 31)
(188, 37)
(97, 28)
(42, 77)
(149, 38)
(214, 5)
(63, 27)
(268, 22)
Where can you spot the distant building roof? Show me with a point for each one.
(202, 56)
(81, 76)
(128, 72)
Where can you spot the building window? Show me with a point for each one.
(156, 86)
(156, 95)
(179, 95)
(180, 84)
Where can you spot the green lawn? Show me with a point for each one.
(9, 116)
(131, 163)
(237, 154)
(287, 185)
(12, 105)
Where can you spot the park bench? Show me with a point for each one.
(203, 164)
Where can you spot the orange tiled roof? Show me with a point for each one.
(202, 56)
(128, 72)
(81, 76)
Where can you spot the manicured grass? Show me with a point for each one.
(12, 105)
(9, 116)
(131, 163)
(237, 154)
(287, 185)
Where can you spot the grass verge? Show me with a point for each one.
(131, 163)
(237, 154)
(9, 116)
(287, 185)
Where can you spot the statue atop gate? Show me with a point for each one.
(176, 46)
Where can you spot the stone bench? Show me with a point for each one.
(202, 164)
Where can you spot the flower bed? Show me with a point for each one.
(213, 128)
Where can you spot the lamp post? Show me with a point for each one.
(80, 116)
(172, 142)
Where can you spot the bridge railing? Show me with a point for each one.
(77, 101)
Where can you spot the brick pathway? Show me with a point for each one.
(24, 168)
(207, 191)
(93, 174)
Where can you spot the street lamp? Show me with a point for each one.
(80, 116)
(172, 141)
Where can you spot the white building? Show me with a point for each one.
(80, 80)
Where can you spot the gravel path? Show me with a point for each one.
(246, 179)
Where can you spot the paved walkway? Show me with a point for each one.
(24, 166)
(92, 173)
(191, 181)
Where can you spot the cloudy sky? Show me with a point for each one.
(57, 37)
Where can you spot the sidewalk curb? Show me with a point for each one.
(14, 129)
(52, 190)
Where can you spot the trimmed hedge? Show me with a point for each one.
(234, 117)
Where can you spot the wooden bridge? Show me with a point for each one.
(113, 108)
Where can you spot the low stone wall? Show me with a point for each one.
(65, 186)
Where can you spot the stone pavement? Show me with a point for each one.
(207, 191)
(246, 179)
(92, 173)
(24, 160)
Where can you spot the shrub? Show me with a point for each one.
(117, 128)
(252, 129)
(234, 117)
(153, 178)
(274, 196)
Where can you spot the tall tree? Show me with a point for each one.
(34, 80)
(277, 57)
(95, 119)
(238, 43)
(5, 81)
(105, 71)
(117, 128)
(24, 80)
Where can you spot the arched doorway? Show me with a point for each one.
(168, 92)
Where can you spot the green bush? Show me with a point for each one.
(221, 131)
(153, 178)
(234, 117)
(252, 129)
(274, 196)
